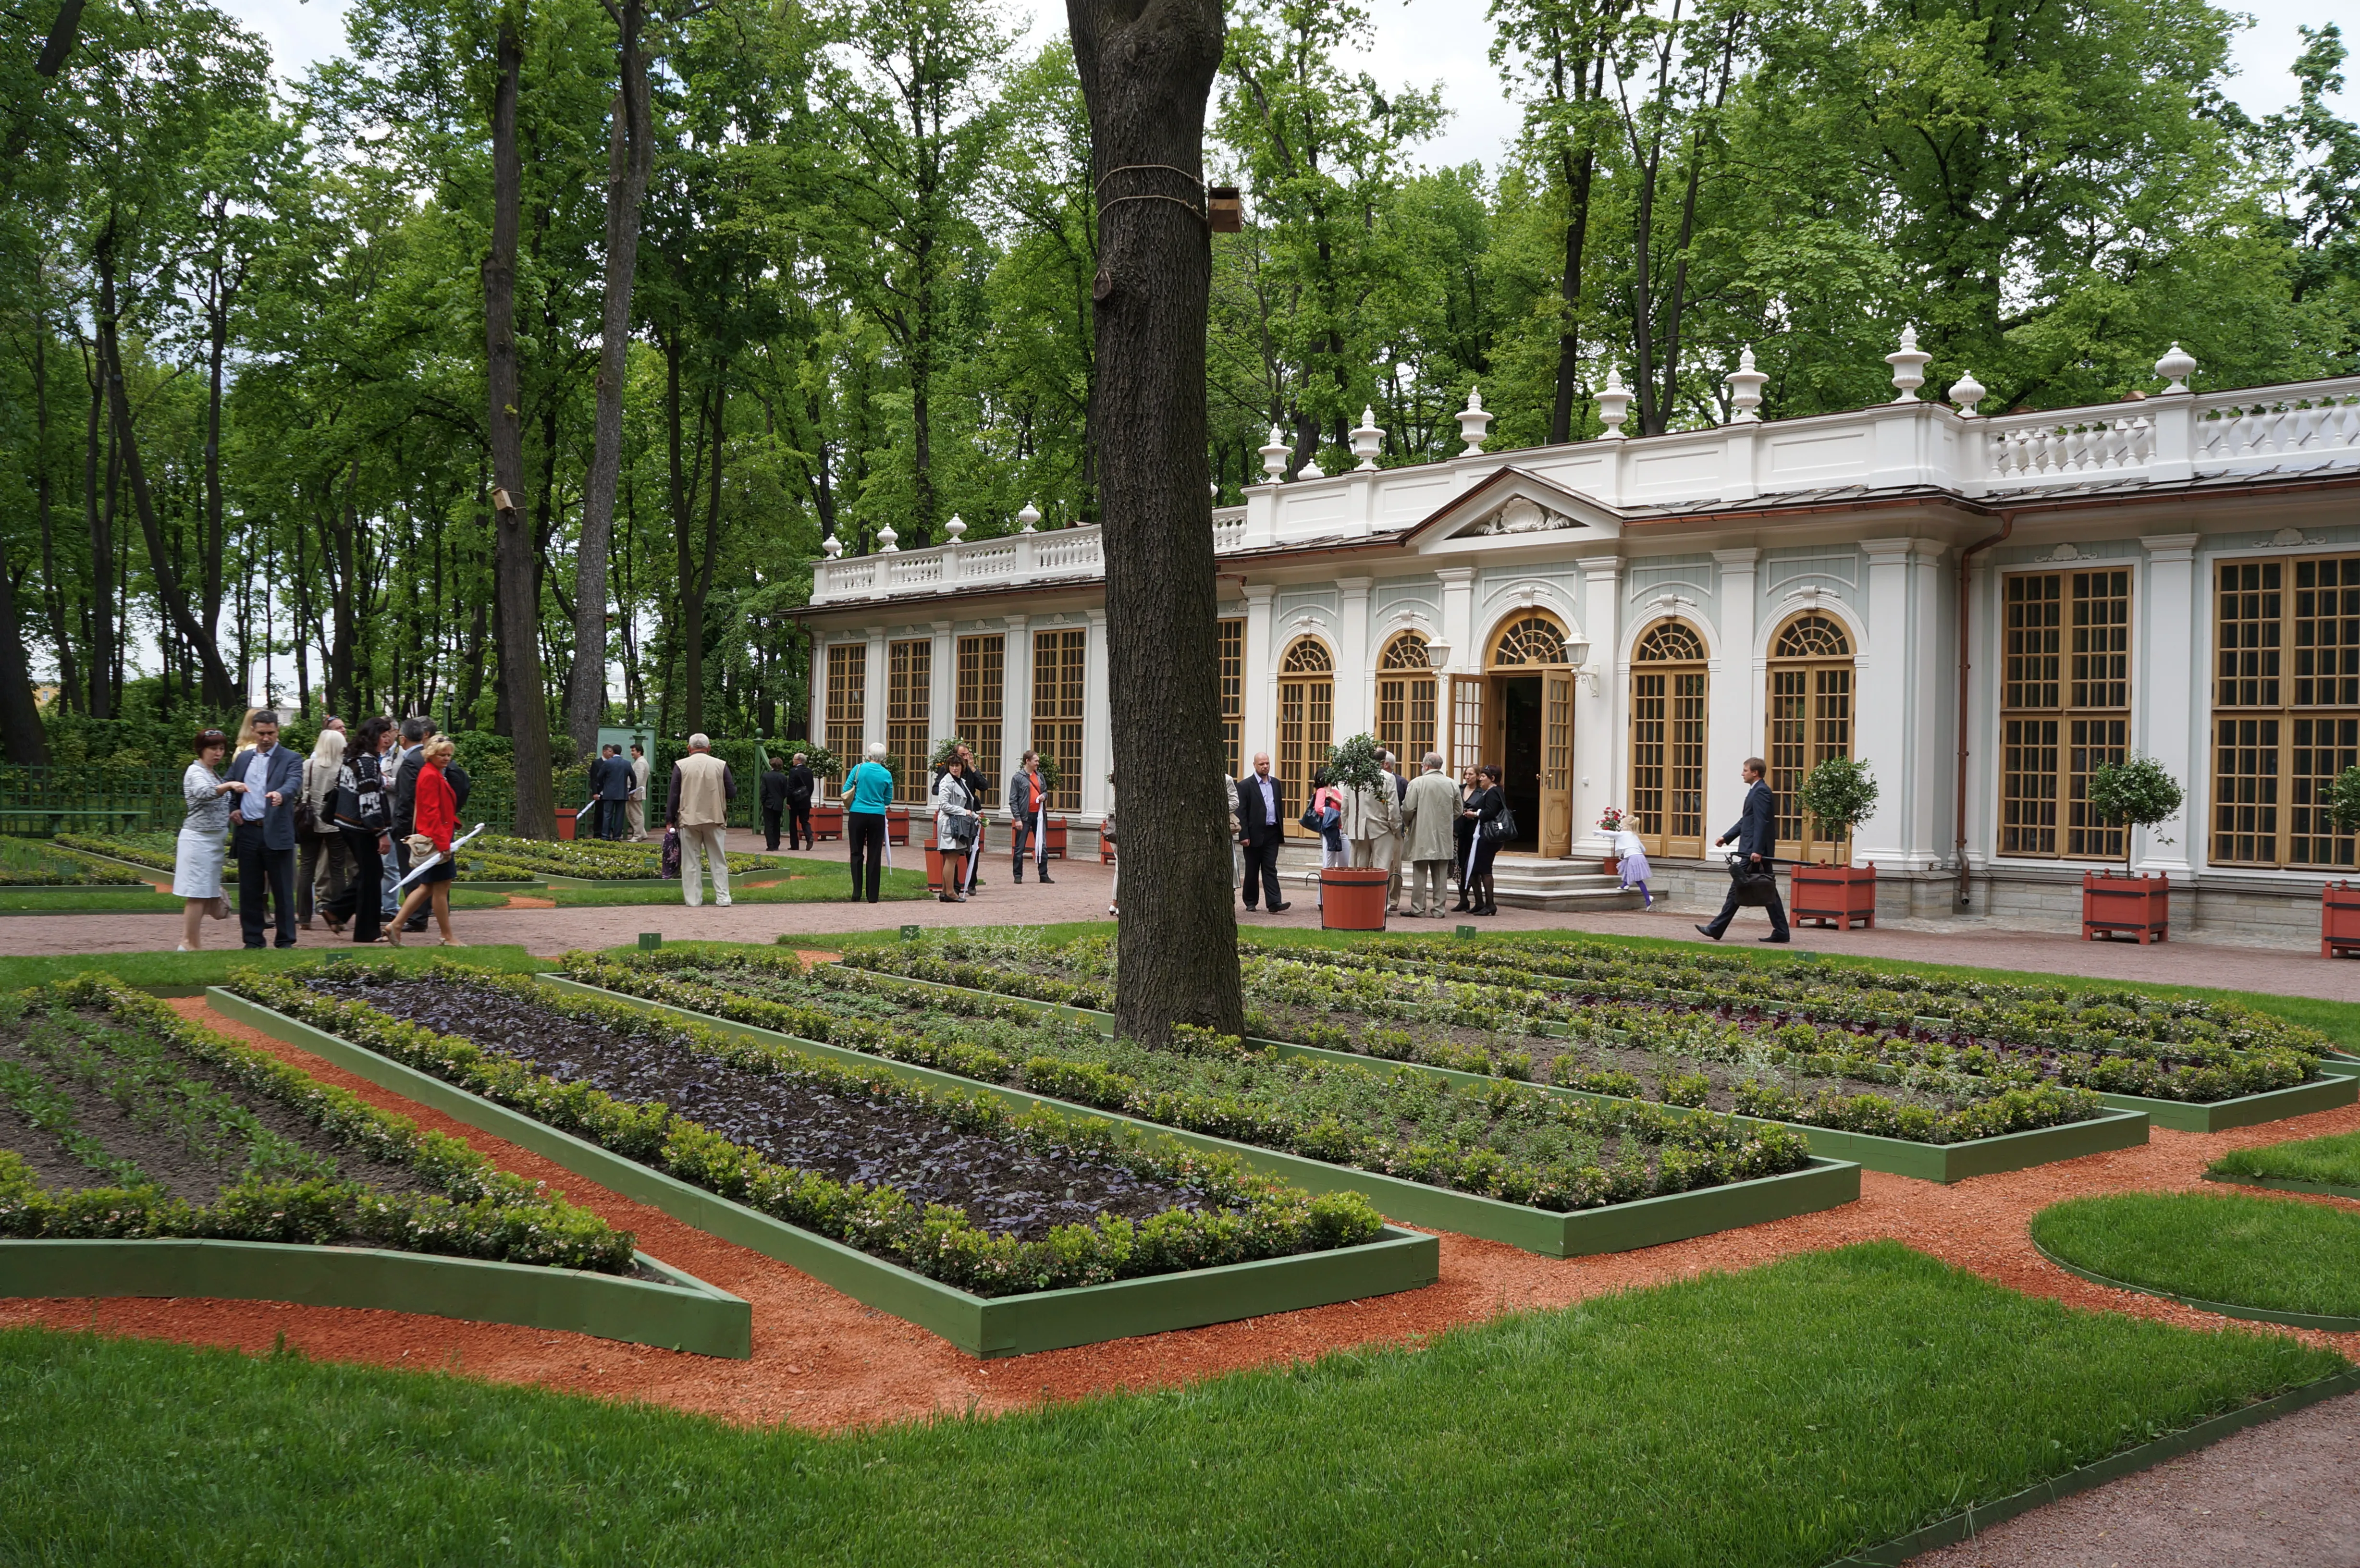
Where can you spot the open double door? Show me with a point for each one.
(1521, 720)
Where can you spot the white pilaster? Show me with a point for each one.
(872, 729)
(1258, 724)
(1355, 668)
(1097, 731)
(818, 730)
(1458, 628)
(1881, 718)
(1015, 697)
(1598, 722)
(1930, 775)
(1736, 731)
(942, 687)
(2164, 695)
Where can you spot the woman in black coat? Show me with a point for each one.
(800, 785)
(1482, 807)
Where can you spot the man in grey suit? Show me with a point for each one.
(262, 836)
(1756, 834)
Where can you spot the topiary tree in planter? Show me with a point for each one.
(2344, 801)
(824, 763)
(1838, 795)
(2137, 792)
(1355, 899)
(1357, 764)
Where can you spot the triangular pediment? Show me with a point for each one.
(1511, 503)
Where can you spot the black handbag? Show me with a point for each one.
(1757, 883)
(1501, 828)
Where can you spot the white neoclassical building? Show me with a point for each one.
(1982, 609)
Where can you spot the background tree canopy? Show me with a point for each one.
(249, 407)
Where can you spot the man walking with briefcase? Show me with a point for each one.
(1753, 874)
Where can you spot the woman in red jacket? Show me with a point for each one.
(436, 820)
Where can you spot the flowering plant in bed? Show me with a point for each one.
(1505, 1140)
(129, 1122)
(950, 1185)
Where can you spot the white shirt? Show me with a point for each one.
(251, 805)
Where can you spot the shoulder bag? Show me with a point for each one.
(1500, 828)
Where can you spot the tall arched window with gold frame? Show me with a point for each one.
(1667, 733)
(1405, 700)
(1306, 723)
(1811, 690)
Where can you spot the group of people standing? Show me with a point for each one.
(1444, 832)
(619, 789)
(329, 838)
(956, 800)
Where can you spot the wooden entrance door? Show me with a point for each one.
(1467, 716)
(1557, 764)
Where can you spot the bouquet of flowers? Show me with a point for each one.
(1613, 820)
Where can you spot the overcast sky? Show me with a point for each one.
(1420, 43)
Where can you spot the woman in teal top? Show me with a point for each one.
(868, 790)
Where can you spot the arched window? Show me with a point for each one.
(1667, 717)
(1810, 721)
(1306, 721)
(1405, 700)
(1532, 638)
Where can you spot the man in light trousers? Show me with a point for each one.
(1430, 813)
(1371, 823)
(702, 789)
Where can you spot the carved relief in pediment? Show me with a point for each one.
(1522, 515)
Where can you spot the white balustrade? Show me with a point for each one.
(2320, 419)
(2167, 436)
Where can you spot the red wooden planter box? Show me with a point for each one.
(565, 823)
(1841, 895)
(1057, 827)
(1353, 899)
(897, 825)
(2118, 903)
(827, 822)
(2339, 921)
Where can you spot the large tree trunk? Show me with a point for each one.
(1146, 67)
(171, 598)
(98, 620)
(630, 152)
(517, 624)
(52, 595)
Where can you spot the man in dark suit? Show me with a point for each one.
(1756, 837)
(800, 786)
(1261, 828)
(774, 800)
(612, 777)
(263, 831)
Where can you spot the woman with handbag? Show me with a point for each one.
(363, 815)
(437, 818)
(197, 863)
(319, 864)
(1325, 816)
(955, 823)
(1487, 810)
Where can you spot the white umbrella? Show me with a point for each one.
(436, 858)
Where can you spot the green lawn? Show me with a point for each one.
(193, 970)
(2340, 1021)
(819, 885)
(2331, 1161)
(1775, 1419)
(2278, 1254)
(91, 902)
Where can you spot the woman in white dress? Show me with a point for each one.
(197, 868)
(956, 828)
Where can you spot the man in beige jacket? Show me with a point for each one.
(702, 789)
(1430, 811)
(1371, 821)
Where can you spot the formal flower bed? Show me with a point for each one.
(160, 848)
(1502, 1140)
(120, 1120)
(950, 1185)
(1900, 1077)
(596, 860)
(31, 863)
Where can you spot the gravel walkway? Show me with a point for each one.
(2282, 1494)
(1079, 891)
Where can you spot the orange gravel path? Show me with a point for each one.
(823, 1361)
